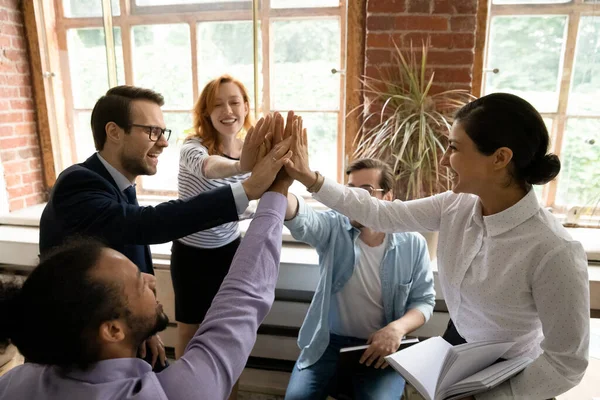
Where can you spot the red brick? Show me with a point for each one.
(462, 24)
(18, 79)
(20, 191)
(382, 40)
(378, 56)
(33, 200)
(22, 68)
(24, 92)
(24, 129)
(31, 177)
(15, 16)
(18, 43)
(419, 6)
(19, 104)
(421, 23)
(380, 22)
(386, 6)
(7, 130)
(13, 142)
(416, 39)
(453, 40)
(4, 40)
(29, 116)
(373, 72)
(16, 204)
(35, 164)
(10, 3)
(12, 180)
(11, 117)
(455, 6)
(452, 75)
(7, 92)
(460, 57)
(7, 67)
(28, 153)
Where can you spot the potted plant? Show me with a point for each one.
(410, 130)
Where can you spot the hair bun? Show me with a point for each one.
(542, 170)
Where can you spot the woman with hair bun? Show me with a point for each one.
(508, 269)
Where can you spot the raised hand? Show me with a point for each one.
(254, 142)
(283, 180)
(265, 170)
(297, 167)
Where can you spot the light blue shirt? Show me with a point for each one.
(406, 276)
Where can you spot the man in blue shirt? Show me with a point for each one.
(374, 288)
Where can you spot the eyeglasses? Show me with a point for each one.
(368, 188)
(154, 132)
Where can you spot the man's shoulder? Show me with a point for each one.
(81, 175)
(21, 382)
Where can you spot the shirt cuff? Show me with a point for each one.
(240, 198)
(330, 192)
(297, 222)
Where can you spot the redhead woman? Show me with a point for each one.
(212, 156)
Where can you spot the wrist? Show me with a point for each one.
(308, 178)
(398, 327)
(238, 168)
(249, 192)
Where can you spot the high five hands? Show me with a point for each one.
(269, 146)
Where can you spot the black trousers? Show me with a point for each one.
(452, 336)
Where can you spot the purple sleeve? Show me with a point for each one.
(217, 355)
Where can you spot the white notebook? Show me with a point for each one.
(440, 371)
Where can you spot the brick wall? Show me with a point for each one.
(19, 145)
(449, 24)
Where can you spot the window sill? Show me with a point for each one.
(30, 217)
(19, 236)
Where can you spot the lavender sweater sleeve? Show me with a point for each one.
(216, 356)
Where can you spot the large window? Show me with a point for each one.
(177, 46)
(548, 52)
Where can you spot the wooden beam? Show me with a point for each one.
(39, 92)
(560, 123)
(355, 69)
(480, 39)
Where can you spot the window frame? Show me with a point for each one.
(573, 10)
(190, 14)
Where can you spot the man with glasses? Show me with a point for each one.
(98, 198)
(374, 289)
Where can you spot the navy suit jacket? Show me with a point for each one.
(86, 201)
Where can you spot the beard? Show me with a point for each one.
(143, 327)
(136, 166)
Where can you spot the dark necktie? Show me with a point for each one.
(131, 196)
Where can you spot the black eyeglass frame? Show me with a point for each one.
(157, 130)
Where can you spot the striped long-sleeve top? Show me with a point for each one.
(192, 181)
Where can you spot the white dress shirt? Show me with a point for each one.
(516, 275)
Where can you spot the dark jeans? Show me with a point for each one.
(320, 380)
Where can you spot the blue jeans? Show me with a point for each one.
(319, 380)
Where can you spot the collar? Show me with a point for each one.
(512, 217)
(111, 370)
(120, 179)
